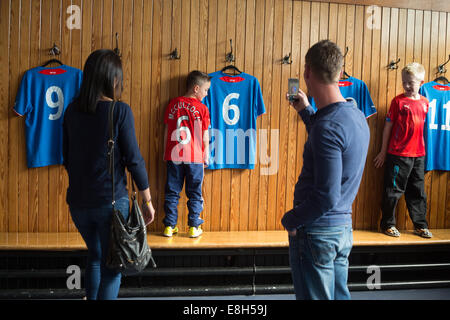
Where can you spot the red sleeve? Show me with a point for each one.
(206, 120)
(427, 103)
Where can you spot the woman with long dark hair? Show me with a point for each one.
(85, 159)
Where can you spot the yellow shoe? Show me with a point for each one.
(195, 232)
(169, 231)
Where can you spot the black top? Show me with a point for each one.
(85, 154)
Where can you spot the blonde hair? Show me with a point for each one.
(415, 69)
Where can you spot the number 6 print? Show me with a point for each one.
(55, 104)
(226, 107)
(187, 139)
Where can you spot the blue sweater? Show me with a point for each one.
(333, 163)
(85, 151)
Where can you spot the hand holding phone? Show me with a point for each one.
(297, 98)
(293, 86)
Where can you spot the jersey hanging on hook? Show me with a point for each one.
(356, 90)
(234, 103)
(437, 126)
(42, 98)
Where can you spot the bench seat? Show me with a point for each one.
(63, 241)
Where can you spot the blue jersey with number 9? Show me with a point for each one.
(43, 96)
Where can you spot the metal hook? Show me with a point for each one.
(393, 64)
(346, 51)
(441, 68)
(116, 49)
(55, 51)
(287, 59)
(345, 54)
(174, 55)
(230, 57)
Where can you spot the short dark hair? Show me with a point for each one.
(102, 68)
(196, 78)
(326, 61)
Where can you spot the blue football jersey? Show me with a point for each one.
(234, 103)
(356, 90)
(437, 126)
(43, 96)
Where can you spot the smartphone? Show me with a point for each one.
(293, 85)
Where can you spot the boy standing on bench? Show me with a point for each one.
(186, 148)
(403, 150)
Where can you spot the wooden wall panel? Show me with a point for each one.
(263, 32)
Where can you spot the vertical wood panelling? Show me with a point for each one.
(262, 32)
(24, 58)
(5, 113)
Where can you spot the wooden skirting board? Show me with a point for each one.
(210, 240)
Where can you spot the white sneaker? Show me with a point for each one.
(195, 232)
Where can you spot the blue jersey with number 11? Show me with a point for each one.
(437, 126)
(43, 96)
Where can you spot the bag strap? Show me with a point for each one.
(111, 153)
(111, 148)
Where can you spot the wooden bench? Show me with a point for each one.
(210, 240)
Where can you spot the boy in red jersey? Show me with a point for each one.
(403, 149)
(186, 145)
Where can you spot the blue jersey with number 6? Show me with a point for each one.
(234, 103)
(43, 96)
(437, 126)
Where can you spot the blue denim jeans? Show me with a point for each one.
(319, 262)
(94, 225)
(176, 175)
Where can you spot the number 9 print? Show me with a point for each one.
(55, 104)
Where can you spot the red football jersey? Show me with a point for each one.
(186, 120)
(408, 117)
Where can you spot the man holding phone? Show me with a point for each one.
(320, 223)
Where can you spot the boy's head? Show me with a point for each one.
(197, 84)
(413, 76)
(325, 61)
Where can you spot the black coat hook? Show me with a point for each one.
(346, 51)
(393, 65)
(441, 68)
(116, 49)
(230, 57)
(174, 55)
(54, 51)
(287, 59)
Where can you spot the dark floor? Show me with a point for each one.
(410, 294)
